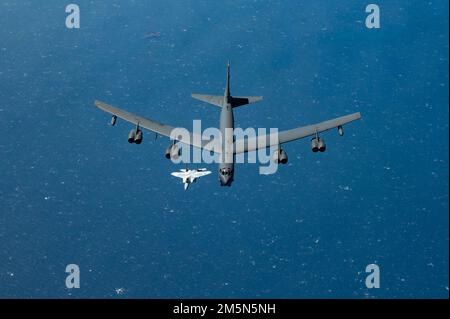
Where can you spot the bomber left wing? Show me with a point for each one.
(255, 143)
(159, 128)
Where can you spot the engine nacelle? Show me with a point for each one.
(131, 136)
(173, 152)
(113, 120)
(135, 136)
(280, 157)
(322, 146)
(315, 145)
(139, 136)
(341, 130)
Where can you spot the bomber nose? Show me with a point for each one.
(224, 179)
(225, 176)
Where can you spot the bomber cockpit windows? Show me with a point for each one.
(225, 172)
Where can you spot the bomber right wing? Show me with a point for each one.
(255, 143)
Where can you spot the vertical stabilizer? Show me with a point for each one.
(227, 88)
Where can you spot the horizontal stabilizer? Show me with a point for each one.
(244, 100)
(211, 99)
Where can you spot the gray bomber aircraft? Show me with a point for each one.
(227, 103)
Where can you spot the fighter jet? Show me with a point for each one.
(227, 104)
(190, 176)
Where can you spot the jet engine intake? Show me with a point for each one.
(280, 157)
(135, 136)
(314, 145)
(322, 146)
(173, 152)
(139, 136)
(131, 136)
(318, 145)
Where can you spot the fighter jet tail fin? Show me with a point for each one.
(211, 99)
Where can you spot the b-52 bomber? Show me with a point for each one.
(227, 103)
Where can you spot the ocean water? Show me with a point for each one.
(73, 191)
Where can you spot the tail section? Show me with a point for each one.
(227, 98)
(184, 176)
(227, 87)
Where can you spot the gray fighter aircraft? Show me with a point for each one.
(227, 103)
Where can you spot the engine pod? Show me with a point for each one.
(138, 137)
(341, 130)
(280, 157)
(321, 145)
(173, 152)
(314, 145)
(131, 136)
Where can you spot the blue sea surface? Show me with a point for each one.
(73, 191)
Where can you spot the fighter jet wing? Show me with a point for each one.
(251, 144)
(162, 129)
(201, 173)
(180, 174)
